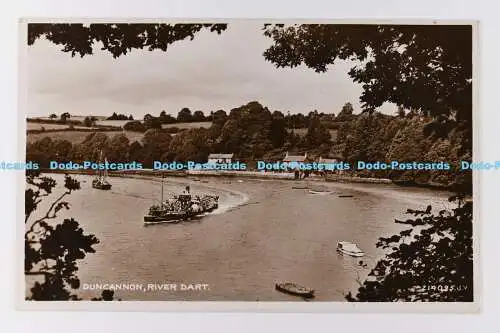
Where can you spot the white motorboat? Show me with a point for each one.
(350, 249)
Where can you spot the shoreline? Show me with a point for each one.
(250, 175)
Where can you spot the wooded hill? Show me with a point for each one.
(252, 132)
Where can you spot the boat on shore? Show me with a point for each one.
(180, 207)
(349, 249)
(294, 289)
(100, 182)
(320, 192)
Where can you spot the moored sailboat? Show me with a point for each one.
(100, 182)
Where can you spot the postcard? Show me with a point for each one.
(260, 165)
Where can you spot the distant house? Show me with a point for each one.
(295, 158)
(220, 158)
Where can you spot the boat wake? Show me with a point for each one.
(230, 200)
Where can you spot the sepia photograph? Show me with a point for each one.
(275, 162)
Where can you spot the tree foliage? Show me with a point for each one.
(434, 264)
(428, 70)
(184, 116)
(424, 67)
(65, 116)
(115, 38)
(116, 116)
(52, 249)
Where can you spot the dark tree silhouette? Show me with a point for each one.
(116, 116)
(184, 116)
(116, 38)
(424, 67)
(198, 116)
(65, 116)
(433, 265)
(52, 249)
(89, 122)
(428, 69)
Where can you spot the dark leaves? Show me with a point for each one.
(439, 256)
(426, 68)
(106, 295)
(71, 183)
(118, 39)
(53, 249)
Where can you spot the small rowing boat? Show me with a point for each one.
(320, 192)
(295, 289)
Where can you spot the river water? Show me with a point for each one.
(264, 231)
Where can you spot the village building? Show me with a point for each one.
(296, 159)
(220, 158)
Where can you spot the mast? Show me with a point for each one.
(98, 168)
(105, 169)
(162, 191)
(98, 171)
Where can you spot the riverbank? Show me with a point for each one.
(335, 178)
(231, 174)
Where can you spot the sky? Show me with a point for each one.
(209, 73)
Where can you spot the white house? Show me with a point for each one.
(297, 159)
(294, 158)
(220, 158)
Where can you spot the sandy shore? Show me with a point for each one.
(231, 174)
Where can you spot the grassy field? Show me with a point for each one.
(77, 137)
(38, 126)
(204, 124)
(76, 117)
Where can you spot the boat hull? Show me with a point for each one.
(174, 217)
(294, 290)
(320, 192)
(150, 219)
(104, 187)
